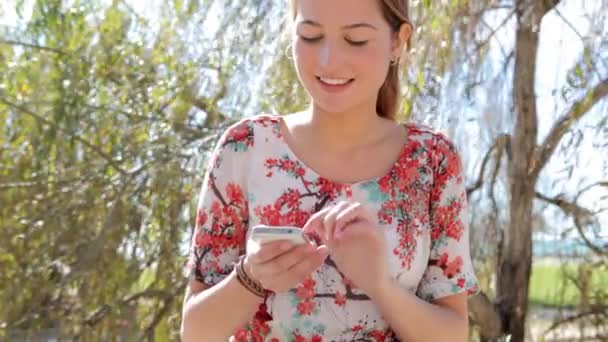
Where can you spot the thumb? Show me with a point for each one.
(314, 225)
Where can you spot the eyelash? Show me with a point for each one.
(314, 40)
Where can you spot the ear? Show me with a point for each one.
(401, 40)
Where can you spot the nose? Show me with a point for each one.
(328, 55)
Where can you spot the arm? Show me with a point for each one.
(414, 319)
(215, 304)
(215, 313)
(442, 313)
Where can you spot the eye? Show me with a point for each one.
(356, 43)
(311, 40)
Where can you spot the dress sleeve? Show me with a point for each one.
(449, 270)
(222, 214)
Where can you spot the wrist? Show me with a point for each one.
(381, 288)
(244, 278)
(247, 268)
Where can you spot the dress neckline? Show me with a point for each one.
(309, 170)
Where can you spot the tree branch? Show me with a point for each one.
(574, 114)
(167, 301)
(580, 36)
(582, 216)
(498, 145)
(493, 30)
(589, 187)
(97, 315)
(592, 311)
(33, 46)
(86, 143)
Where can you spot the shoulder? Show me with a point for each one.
(240, 135)
(430, 137)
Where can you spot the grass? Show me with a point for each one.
(554, 285)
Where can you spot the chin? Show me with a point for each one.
(332, 108)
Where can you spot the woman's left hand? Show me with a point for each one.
(355, 243)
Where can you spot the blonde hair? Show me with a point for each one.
(396, 13)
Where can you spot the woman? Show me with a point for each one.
(386, 201)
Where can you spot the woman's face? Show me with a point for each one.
(342, 51)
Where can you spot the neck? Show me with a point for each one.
(342, 132)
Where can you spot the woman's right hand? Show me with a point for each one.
(280, 265)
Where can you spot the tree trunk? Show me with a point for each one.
(515, 254)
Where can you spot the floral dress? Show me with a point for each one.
(420, 206)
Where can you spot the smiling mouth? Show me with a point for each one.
(330, 81)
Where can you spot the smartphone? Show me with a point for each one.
(262, 234)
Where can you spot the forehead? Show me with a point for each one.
(339, 12)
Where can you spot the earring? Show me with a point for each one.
(287, 51)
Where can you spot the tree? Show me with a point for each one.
(106, 116)
(525, 158)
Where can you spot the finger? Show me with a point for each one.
(351, 214)
(314, 225)
(271, 250)
(330, 219)
(353, 230)
(305, 267)
(285, 261)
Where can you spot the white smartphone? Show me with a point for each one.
(262, 234)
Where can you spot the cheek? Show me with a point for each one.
(303, 55)
(372, 66)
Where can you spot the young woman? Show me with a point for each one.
(386, 201)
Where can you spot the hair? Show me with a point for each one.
(396, 13)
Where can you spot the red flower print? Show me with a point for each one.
(305, 293)
(357, 327)
(453, 267)
(297, 218)
(472, 290)
(235, 193)
(268, 215)
(377, 335)
(291, 198)
(300, 338)
(306, 307)
(327, 188)
(349, 192)
(384, 184)
(435, 233)
(260, 327)
(240, 133)
(270, 163)
(340, 299)
(460, 283)
(201, 218)
(454, 230)
(306, 289)
(241, 335)
(443, 260)
(309, 283)
(202, 240)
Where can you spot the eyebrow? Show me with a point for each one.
(347, 27)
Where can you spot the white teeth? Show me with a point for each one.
(334, 81)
